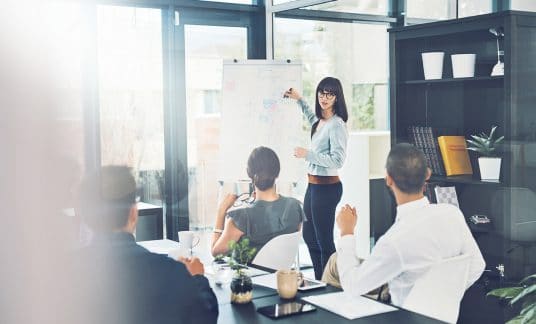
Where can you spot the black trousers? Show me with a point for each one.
(319, 206)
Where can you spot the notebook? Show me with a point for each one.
(348, 306)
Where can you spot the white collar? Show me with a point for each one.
(409, 207)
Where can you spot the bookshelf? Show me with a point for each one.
(465, 106)
(454, 80)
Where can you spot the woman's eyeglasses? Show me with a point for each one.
(327, 95)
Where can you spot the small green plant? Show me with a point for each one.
(526, 294)
(484, 144)
(241, 254)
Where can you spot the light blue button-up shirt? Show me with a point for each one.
(328, 144)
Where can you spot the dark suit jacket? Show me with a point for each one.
(121, 282)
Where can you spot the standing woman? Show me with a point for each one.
(327, 154)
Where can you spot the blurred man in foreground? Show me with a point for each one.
(122, 282)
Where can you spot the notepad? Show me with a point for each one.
(348, 306)
(269, 280)
(252, 272)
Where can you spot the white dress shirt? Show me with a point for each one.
(422, 235)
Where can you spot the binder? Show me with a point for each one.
(423, 138)
(455, 156)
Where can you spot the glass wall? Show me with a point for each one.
(525, 5)
(473, 7)
(446, 9)
(130, 78)
(205, 49)
(371, 7)
(64, 48)
(430, 9)
(355, 53)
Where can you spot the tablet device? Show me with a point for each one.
(309, 284)
(286, 309)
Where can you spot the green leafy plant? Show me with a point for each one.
(241, 254)
(524, 294)
(484, 144)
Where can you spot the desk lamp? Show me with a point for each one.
(498, 69)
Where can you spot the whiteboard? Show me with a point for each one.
(254, 113)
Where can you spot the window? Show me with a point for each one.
(212, 100)
(446, 9)
(247, 2)
(372, 7)
(430, 9)
(131, 94)
(526, 5)
(63, 20)
(357, 54)
(473, 7)
(206, 47)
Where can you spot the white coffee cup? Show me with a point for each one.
(188, 239)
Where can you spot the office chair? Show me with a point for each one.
(438, 292)
(279, 253)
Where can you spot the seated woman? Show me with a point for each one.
(269, 216)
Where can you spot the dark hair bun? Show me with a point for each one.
(263, 167)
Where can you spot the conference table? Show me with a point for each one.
(264, 296)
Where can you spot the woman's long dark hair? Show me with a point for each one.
(334, 86)
(263, 167)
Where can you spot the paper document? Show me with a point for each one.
(348, 306)
(269, 280)
(159, 246)
(212, 269)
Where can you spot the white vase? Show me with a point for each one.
(490, 168)
(432, 63)
(463, 65)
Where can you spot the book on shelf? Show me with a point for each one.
(423, 138)
(429, 191)
(455, 156)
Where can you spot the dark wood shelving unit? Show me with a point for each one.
(449, 80)
(466, 106)
(464, 179)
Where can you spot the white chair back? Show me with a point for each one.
(279, 253)
(438, 293)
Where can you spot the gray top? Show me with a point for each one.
(328, 144)
(264, 220)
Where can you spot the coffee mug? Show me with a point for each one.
(242, 187)
(287, 283)
(187, 238)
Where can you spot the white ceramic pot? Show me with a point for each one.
(432, 63)
(463, 65)
(490, 168)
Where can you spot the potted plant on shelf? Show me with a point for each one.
(241, 285)
(526, 294)
(485, 145)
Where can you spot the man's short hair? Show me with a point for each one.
(407, 166)
(106, 197)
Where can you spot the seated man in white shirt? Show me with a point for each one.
(422, 235)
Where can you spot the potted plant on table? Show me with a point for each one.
(486, 145)
(241, 285)
(526, 294)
